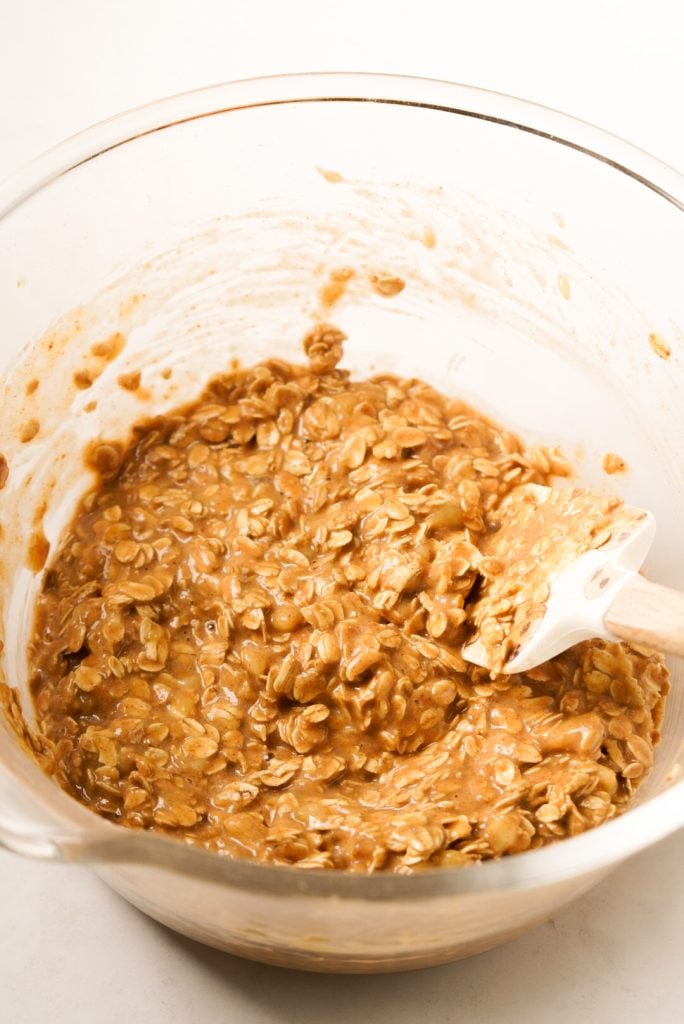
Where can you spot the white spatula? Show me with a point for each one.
(585, 582)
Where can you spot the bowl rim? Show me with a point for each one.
(335, 86)
(96, 841)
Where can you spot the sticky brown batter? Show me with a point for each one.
(250, 636)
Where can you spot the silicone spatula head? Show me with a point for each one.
(550, 572)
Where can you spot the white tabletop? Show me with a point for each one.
(70, 950)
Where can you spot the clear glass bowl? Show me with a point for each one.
(540, 256)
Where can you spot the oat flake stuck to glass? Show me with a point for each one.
(251, 636)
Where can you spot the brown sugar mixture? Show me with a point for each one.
(251, 636)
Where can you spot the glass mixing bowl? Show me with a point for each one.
(542, 260)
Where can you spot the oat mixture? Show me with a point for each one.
(251, 636)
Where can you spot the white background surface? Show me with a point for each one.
(71, 951)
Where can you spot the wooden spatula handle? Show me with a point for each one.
(648, 614)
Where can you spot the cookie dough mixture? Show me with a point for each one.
(251, 636)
